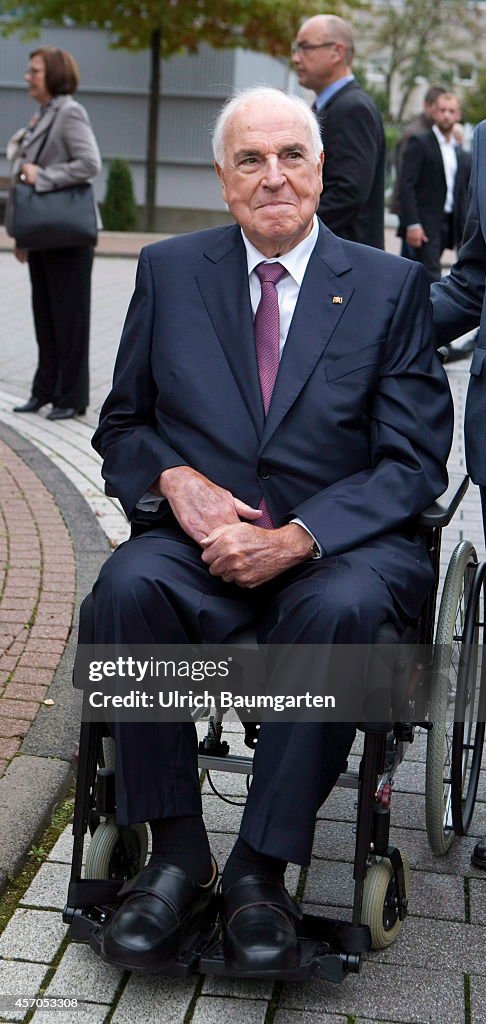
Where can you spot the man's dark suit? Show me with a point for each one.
(417, 126)
(423, 190)
(354, 444)
(458, 306)
(352, 203)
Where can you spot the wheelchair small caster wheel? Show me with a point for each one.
(379, 909)
(116, 852)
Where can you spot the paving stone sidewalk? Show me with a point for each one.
(51, 546)
(37, 580)
(436, 971)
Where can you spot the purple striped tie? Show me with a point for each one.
(267, 341)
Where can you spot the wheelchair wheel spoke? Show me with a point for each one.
(447, 672)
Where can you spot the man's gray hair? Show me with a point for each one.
(265, 94)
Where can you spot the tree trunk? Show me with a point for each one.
(152, 133)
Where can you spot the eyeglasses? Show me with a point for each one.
(34, 71)
(303, 47)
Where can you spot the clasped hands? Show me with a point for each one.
(234, 548)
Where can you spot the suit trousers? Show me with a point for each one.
(155, 589)
(61, 298)
(430, 252)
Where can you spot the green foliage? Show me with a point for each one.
(392, 135)
(167, 27)
(417, 40)
(474, 103)
(184, 24)
(38, 853)
(119, 210)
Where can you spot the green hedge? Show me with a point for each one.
(119, 210)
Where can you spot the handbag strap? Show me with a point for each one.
(46, 136)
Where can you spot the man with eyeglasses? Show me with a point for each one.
(352, 203)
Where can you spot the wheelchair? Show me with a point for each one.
(446, 697)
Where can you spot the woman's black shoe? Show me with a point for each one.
(59, 413)
(33, 405)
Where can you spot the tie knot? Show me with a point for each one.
(270, 272)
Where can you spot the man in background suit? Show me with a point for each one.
(458, 306)
(277, 396)
(429, 182)
(417, 126)
(353, 199)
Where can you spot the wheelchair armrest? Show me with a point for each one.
(440, 513)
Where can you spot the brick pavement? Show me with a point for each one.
(434, 974)
(37, 580)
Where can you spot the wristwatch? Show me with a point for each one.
(314, 550)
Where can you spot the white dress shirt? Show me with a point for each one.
(449, 158)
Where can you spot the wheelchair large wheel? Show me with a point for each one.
(445, 667)
(468, 732)
(115, 852)
(379, 908)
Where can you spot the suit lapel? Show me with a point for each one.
(223, 283)
(315, 318)
(437, 153)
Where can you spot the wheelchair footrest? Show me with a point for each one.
(330, 949)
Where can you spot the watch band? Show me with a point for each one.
(314, 551)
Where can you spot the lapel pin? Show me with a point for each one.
(337, 300)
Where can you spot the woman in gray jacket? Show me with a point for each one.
(56, 150)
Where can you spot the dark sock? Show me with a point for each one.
(184, 842)
(244, 860)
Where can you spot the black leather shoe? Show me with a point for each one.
(59, 413)
(478, 856)
(259, 927)
(33, 405)
(159, 905)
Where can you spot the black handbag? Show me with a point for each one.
(53, 220)
(56, 219)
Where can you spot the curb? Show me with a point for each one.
(121, 244)
(42, 772)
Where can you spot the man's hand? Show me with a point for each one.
(21, 255)
(415, 237)
(28, 173)
(200, 506)
(249, 556)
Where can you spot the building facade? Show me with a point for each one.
(114, 89)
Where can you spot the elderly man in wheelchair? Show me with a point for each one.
(278, 420)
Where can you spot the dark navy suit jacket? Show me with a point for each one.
(359, 428)
(458, 305)
(423, 188)
(352, 202)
